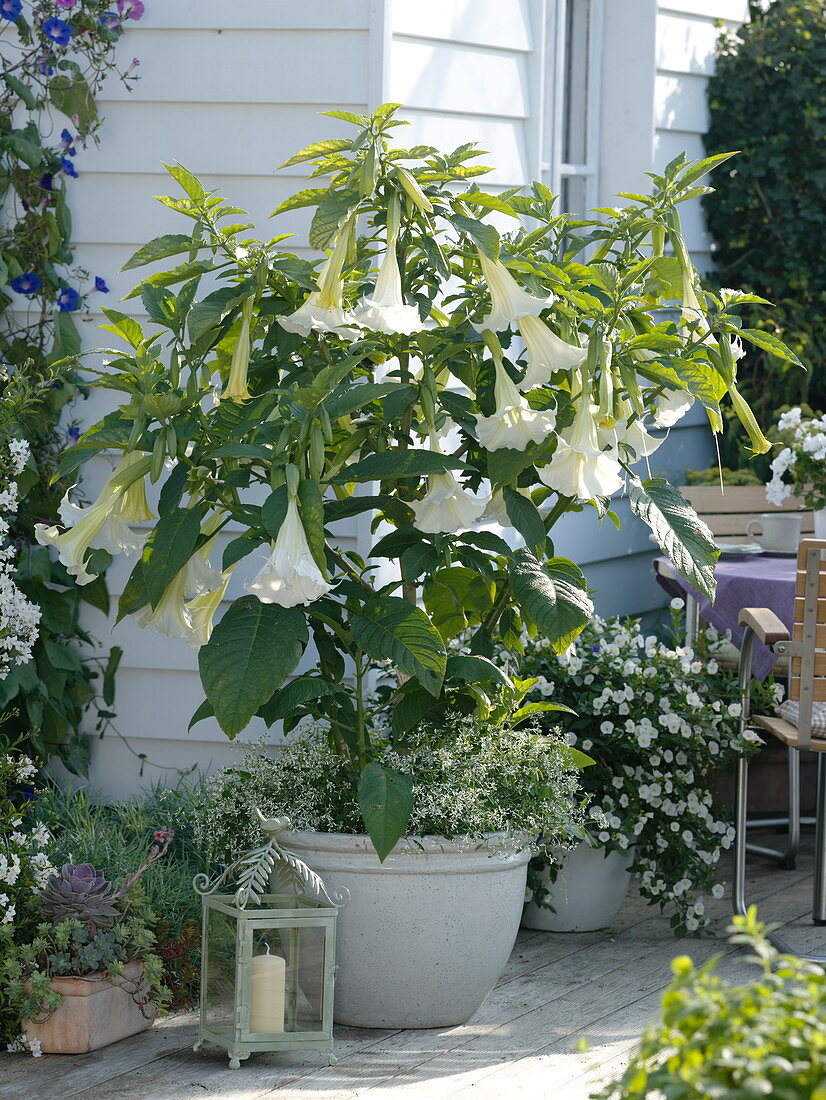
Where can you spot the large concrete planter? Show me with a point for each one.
(587, 894)
(93, 1013)
(426, 934)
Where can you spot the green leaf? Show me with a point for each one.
(124, 326)
(20, 89)
(525, 517)
(457, 597)
(73, 97)
(318, 149)
(771, 343)
(349, 398)
(386, 802)
(160, 304)
(703, 166)
(398, 464)
(27, 151)
(66, 337)
(679, 531)
(204, 711)
(555, 597)
(173, 489)
(169, 548)
(484, 236)
(253, 649)
(312, 196)
(396, 510)
(295, 694)
(331, 212)
(62, 656)
(273, 511)
(212, 310)
(108, 689)
(191, 185)
(475, 670)
(169, 244)
(390, 628)
(413, 704)
(134, 595)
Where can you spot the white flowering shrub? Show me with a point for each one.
(469, 779)
(800, 464)
(19, 617)
(658, 720)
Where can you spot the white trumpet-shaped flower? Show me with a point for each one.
(579, 467)
(514, 423)
(385, 309)
(201, 611)
(672, 405)
(496, 510)
(290, 575)
(103, 525)
(446, 507)
(170, 616)
(236, 388)
(323, 310)
(508, 301)
(630, 434)
(547, 352)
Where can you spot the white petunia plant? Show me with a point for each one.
(800, 464)
(19, 617)
(659, 721)
(426, 372)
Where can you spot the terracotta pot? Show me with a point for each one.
(93, 1013)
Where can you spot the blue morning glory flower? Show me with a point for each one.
(67, 299)
(109, 20)
(68, 167)
(26, 284)
(10, 9)
(67, 143)
(73, 434)
(46, 181)
(100, 284)
(57, 30)
(44, 64)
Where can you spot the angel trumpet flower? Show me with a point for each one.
(170, 616)
(201, 611)
(385, 309)
(104, 525)
(672, 407)
(323, 310)
(514, 423)
(579, 467)
(508, 301)
(547, 352)
(290, 575)
(630, 435)
(236, 389)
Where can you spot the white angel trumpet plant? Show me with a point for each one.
(236, 388)
(508, 301)
(672, 406)
(104, 525)
(323, 311)
(547, 352)
(579, 466)
(290, 575)
(514, 423)
(446, 507)
(385, 309)
(630, 432)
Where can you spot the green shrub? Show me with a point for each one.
(717, 1041)
(768, 99)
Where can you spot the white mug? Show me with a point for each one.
(779, 531)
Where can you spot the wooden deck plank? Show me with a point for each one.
(603, 986)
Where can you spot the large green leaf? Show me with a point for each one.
(524, 515)
(74, 98)
(168, 549)
(212, 310)
(398, 463)
(332, 210)
(474, 669)
(348, 398)
(555, 597)
(771, 343)
(295, 694)
(457, 597)
(170, 244)
(679, 531)
(386, 802)
(253, 649)
(318, 149)
(389, 628)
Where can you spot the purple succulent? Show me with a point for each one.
(79, 892)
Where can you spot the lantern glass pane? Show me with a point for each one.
(302, 974)
(219, 968)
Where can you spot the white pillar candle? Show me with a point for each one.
(269, 975)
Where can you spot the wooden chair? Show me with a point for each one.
(806, 650)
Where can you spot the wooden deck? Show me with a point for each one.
(602, 986)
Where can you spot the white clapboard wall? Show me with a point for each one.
(231, 90)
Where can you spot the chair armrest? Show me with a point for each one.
(765, 624)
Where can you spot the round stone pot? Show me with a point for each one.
(426, 934)
(587, 894)
(820, 523)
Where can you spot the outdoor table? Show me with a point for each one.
(759, 580)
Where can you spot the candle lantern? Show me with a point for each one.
(268, 958)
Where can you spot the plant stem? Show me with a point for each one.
(361, 739)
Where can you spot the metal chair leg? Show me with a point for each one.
(788, 856)
(819, 901)
(741, 799)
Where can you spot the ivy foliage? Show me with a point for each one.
(767, 212)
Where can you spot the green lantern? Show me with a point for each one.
(268, 959)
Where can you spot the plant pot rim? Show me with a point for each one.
(493, 842)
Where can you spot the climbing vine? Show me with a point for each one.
(54, 58)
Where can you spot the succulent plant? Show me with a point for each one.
(79, 891)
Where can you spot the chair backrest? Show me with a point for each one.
(728, 511)
(807, 665)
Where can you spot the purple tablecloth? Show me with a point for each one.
(762, 580)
